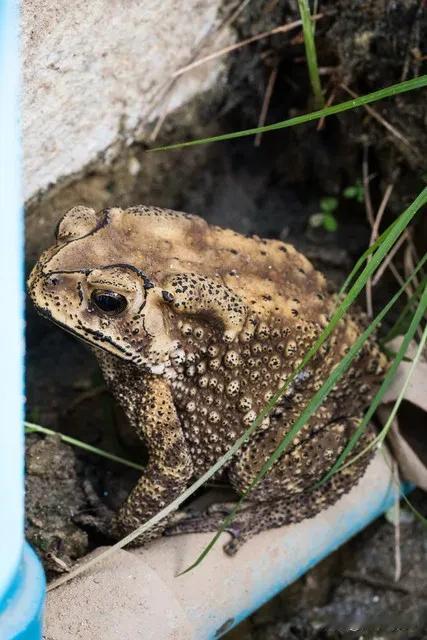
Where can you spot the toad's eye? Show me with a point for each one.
(109, 302)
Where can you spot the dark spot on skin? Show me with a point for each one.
(79, 291)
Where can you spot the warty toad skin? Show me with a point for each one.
(195, 327)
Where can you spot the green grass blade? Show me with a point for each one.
(393, 412)
(379, 439)
(311, 407)
(387, 92)
(30, 427)
(310, 52)
(403, 320)
(364, 257)
(418, 316)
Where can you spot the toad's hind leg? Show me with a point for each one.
(286, 495)
(255, 517)
(307, 459)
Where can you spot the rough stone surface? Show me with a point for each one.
(96, 72)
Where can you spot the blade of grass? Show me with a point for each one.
(30, 427)
(364, 257)
(418, 316)
(381, 436)
(308, 411)
(390, 237)
(387, 92)
(310, 52)
(392, 354)
(417, 356)
(403, 320)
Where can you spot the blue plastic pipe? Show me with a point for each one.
(22, 583)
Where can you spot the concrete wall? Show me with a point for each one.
(97, 72)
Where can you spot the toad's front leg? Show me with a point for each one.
(169, 467)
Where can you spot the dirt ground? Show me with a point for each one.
(271, 190)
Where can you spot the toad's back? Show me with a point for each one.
(269, 275)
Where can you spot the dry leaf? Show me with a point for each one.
(411, 466)
(416, 391)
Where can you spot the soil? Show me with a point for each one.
(271, 190)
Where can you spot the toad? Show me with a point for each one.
(195, 327)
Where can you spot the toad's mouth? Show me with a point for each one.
(98, 337)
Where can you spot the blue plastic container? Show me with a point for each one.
(21, 576)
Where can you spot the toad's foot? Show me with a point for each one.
(239, 528)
